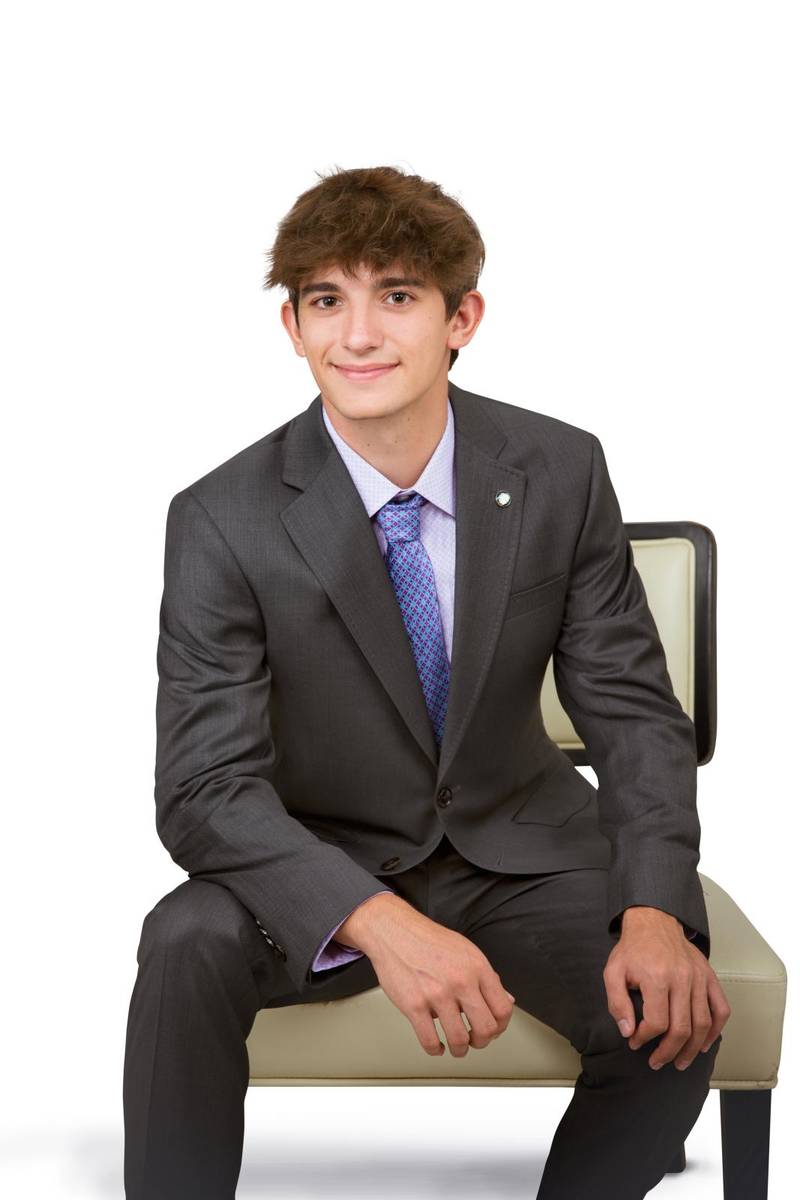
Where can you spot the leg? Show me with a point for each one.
(204, 972)
(546, 937)
(629, 1120)
(678, 1163)
(745, 1143)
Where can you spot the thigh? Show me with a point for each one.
(546, 936)
(202, 926)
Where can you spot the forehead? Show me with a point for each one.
(332, 278)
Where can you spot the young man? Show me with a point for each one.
(357, 616)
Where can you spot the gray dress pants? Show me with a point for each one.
(205, 969)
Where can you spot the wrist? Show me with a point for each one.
(355, 932)
(645, 914)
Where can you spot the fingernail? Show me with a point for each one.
(656, 1066)
(509, 995)
(681, 1065)
(625, 1027)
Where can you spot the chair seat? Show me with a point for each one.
(365, 1039)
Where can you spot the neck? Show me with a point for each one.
(399, 443)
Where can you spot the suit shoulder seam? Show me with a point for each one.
(225, 542)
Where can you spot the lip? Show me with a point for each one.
(365, 372)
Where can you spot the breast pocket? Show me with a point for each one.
(546, 592)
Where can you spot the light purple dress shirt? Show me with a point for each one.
(438, 536)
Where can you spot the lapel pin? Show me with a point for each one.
(502, 499)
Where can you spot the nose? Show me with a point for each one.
(361, 328)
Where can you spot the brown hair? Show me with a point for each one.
(378, 216)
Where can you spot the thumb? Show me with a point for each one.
(620, 1005)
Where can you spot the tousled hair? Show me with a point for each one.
(377, 216)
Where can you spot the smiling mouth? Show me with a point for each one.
(365, 373)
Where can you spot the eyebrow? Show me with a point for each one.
(387, 281)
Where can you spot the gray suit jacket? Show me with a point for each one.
(295, 757)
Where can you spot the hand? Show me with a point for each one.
(427, 971)
(680, 991)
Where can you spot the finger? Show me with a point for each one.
(456, 1032)
(701, 1023)
(620, 1004)
(720, 1010)
(679, 1028)
(655, 1013)
(488, 1014)
(427, 1033)
(495, 1005)
(481, 1031)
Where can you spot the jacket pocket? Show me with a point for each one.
(534, 597)
(555, 799)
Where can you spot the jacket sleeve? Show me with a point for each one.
(611, 676)
(333, 954)
(217, 812)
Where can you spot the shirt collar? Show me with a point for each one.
(436, 482)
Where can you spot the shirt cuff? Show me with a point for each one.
(335, 955)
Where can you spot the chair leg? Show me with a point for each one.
(744, 1122)
(678, 1163)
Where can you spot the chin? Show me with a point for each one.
(368, 406)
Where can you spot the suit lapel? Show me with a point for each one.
(330, 528)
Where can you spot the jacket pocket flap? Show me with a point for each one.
(555, 799)
(534, 597)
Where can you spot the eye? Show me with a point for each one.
(315, 303)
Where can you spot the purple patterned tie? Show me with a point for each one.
(414, 584)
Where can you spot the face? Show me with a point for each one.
(389, 323)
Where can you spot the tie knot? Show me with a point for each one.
(399, 518)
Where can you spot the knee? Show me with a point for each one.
(599, 1032)
(194, 915)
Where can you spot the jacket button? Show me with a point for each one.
(444, 797)
(390, 864)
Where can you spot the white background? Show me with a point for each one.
(633, 168)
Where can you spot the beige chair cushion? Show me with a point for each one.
(365, 1039)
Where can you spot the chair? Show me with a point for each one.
(332, 1043)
